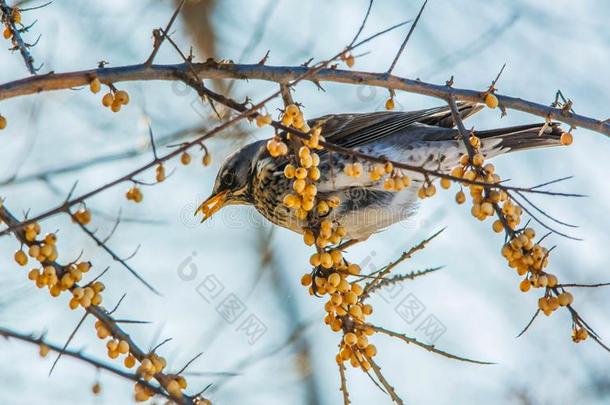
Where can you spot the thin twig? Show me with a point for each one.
(416, 342)
(404, 43)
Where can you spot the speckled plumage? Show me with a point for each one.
(422, 138)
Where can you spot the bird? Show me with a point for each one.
(426, 138)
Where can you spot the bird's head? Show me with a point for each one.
(232, 185)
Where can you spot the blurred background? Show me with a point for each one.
(474, 300)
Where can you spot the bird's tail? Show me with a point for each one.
(522, 137)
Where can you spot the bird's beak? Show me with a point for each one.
(212, 204)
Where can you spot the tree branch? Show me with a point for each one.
(282, 74)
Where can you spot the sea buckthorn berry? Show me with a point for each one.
(115, 106)
(350, 339)
(350, 60)
(34, 251)
(565, 299)
(82, 216)
(552, 280)
(314, 174)
(306, 280)
(388, 184)
(460, 197)
(292, 110)
(185, 158)
(353, 269)
(73, 304)
(33, 274)
(43, 350)
(289, 171)
(579, 334)
(389, 104)
(363, 341)
(350, 298)
(478, 159)
(355, 311)
(107, 100)
(497, 226)
(2, 122)
(83, 267)
(322, 208)
(95, 85)
(334, 279)
(525, 285)
(457, 171)
(123, 347)
(21, 258)
(262, 120)
(121, 97)
(370, 350)
(207, 159)
(16, 16)
(160, 173)
(566, 138)
(129, 361)
(309, 238)
(491, 100)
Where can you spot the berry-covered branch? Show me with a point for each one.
(44, 347)
(10, 17)
(65, 278)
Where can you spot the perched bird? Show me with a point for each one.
(425, 138)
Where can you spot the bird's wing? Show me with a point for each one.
(350, 130)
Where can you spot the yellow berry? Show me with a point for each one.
(525, 285)
(160, 173)
(389, 104)
(350, 339)
(43, 350)
(129, 361)
(478, 159)
(107, 100)
(121, 97)
(370, 350)
(7, 33)
(289, 171)
(306, 280)
(123, 347)
(207, 159)
(21, 258)
(460, 197)
(491, 100)
(96, 389)
(292, 110)
(2, 122)
(115, 106)
(314, 174)
(95, 85)
(16, 16)
(566, 138)
(497, 226)
(565, 299)
(445, 183)
(185, 158)
(350, 60)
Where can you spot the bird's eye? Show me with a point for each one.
(228, 179)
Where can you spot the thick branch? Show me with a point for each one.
(283, 74)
